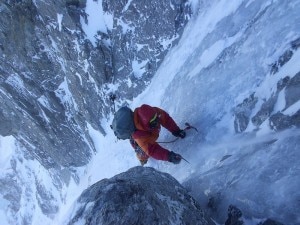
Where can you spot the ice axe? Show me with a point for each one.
(188, 127)
(184, 159)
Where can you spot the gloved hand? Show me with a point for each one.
(174, 158)
(179, 133)
(143, 162)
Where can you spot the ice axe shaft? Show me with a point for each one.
(185, 160)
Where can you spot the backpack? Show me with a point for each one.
(123, 123)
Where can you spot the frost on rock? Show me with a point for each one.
(281, 109)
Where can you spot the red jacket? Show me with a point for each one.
(146, 137)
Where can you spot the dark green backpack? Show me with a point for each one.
(123, 123)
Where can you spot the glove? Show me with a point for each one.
(174, 158)
(143, 162)
(133, 143)
(179, 133)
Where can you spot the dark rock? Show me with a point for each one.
(8, 126)
(46, 200)
(279, 121)
(76, 9)
(242, 113)
(295, 44)
(287, 55)
(265, 111)
(138, 196)
(76, 3)
(270, 222)
(234, 216)
(292, 92)
(283, 83)
(281, 61)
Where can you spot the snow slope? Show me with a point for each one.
(223, 57)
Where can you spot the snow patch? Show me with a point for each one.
(44, 102)
(140, 46)
(66, 97)
(125, 27)
(59, 20)
(126, 6)
(138, 68)
(292, 109)
(7, 150)
(166, 42)
(79, 77)
(3, 208)
(210, 54)
(96, 20)
(280, 104)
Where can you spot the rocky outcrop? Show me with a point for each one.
(141, 195)
(235, 217)
(287, 91)
(142, 34)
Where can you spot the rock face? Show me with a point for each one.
(138, 196)
(143, 32)
(271, 110)
(49, 77)
(54, 82)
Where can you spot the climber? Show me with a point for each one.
(148, 121)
